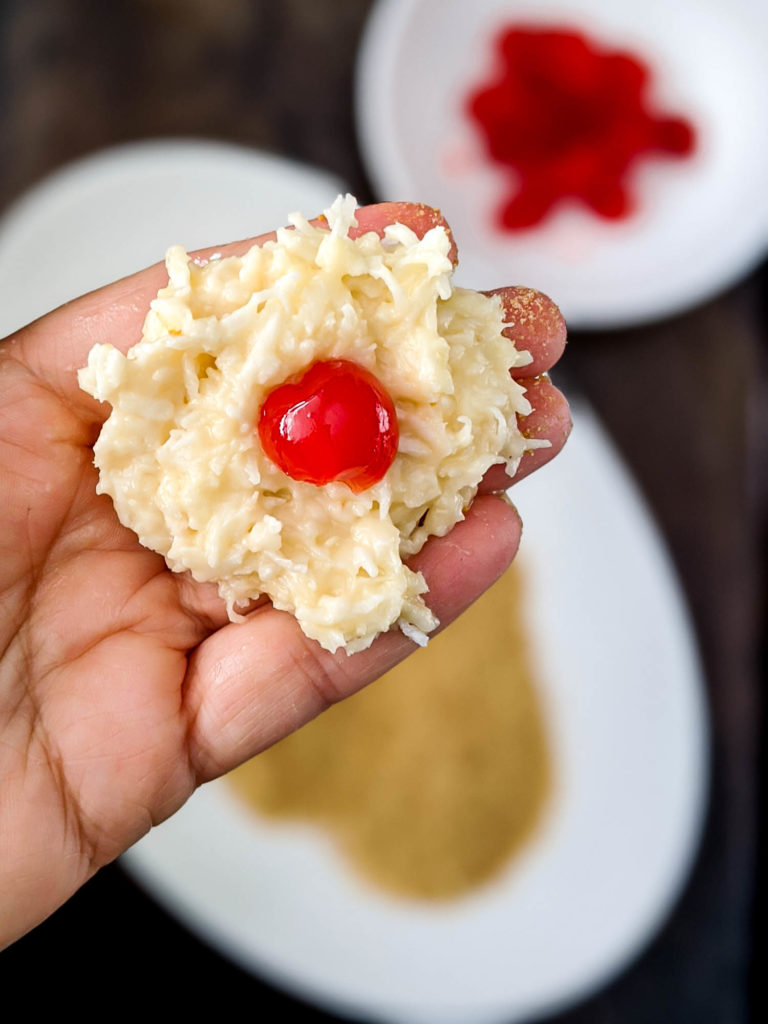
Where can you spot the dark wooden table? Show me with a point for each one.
(684, 401)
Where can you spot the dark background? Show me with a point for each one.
(684, 401)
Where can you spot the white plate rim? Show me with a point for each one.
(139, 164)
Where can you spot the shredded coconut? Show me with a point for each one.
(180, 456)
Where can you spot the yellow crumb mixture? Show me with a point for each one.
(437, 775)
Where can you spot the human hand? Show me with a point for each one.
(123, 686)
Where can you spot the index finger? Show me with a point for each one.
(536, 325)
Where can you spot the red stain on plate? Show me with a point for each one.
(571, 120)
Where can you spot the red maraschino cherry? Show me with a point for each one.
(333, 422)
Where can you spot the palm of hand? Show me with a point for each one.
(95, 634)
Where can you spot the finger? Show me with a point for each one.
(536, 325)
(417, 216)
(57, 345)
(252, 683)
(202, 602)
(550, 420)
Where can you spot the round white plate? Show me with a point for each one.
(118, 210)
(702, 221)
(625, 709)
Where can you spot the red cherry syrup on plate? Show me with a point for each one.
(570, 119)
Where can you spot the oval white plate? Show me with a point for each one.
(118, 210)
(703, 221)
(624, 699)
(618, 667)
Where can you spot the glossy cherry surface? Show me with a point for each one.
(333, 422)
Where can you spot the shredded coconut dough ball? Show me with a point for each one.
(180, 456)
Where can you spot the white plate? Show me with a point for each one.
(618, 664)
(703, 221)
(624, 699)
(118, 210)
